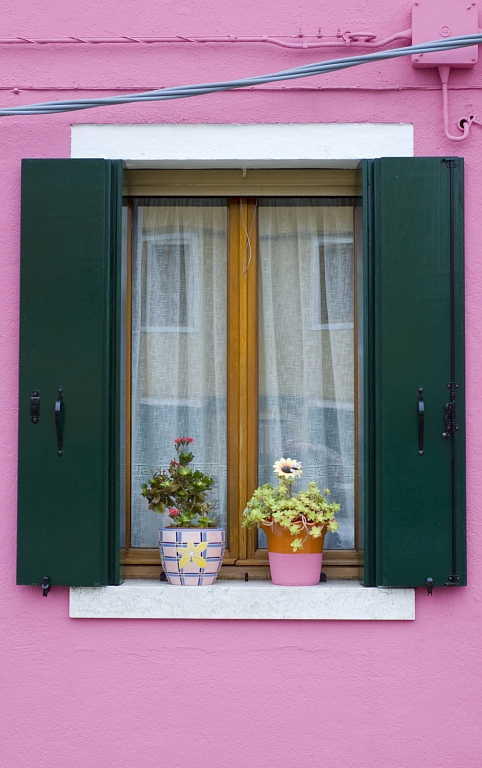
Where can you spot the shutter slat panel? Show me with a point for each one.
(408, 338)
(67, 339)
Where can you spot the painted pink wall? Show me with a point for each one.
(103, 693)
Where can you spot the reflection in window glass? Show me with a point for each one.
(172, 261)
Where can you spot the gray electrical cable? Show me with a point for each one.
(185, 91)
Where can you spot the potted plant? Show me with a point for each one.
(191, 549)
(295, 525)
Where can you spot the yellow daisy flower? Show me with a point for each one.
(285, 467)
(191, 552)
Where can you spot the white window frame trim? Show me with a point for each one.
(291, 145)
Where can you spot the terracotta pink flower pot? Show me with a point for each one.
(192, 556)
(294, 569)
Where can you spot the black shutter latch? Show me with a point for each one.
(35, 406)
(451, 425)
(59, 404)
(421, 413)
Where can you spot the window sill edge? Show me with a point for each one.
(227, 599)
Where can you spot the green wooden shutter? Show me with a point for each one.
(68, 505)
(414, 292)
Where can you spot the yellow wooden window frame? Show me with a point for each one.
(241, 187)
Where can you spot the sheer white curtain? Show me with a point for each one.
(179, 359)
(306, 343)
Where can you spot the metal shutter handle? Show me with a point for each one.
(59, 404)
(421, 418)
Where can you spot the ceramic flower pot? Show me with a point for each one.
(191, 556)
(294, 569)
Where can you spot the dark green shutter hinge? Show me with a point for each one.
(453, 581)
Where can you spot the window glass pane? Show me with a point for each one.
(179, 359)
(306, 347)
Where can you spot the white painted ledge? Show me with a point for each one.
(255, 145)
(150, 599)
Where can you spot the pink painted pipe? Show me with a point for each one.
(345, 39)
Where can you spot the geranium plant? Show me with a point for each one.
(305, 514)
(181, 490)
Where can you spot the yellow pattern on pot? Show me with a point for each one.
(191, 552)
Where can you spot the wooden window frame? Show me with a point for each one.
(242, 556)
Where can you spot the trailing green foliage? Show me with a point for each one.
(307, 514)
(181, 490)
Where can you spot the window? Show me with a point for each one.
(265, 288)
(410, 299)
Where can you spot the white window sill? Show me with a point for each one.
(151, 599)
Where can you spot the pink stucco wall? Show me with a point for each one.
(103, 693)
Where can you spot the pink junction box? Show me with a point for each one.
(439, 19)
